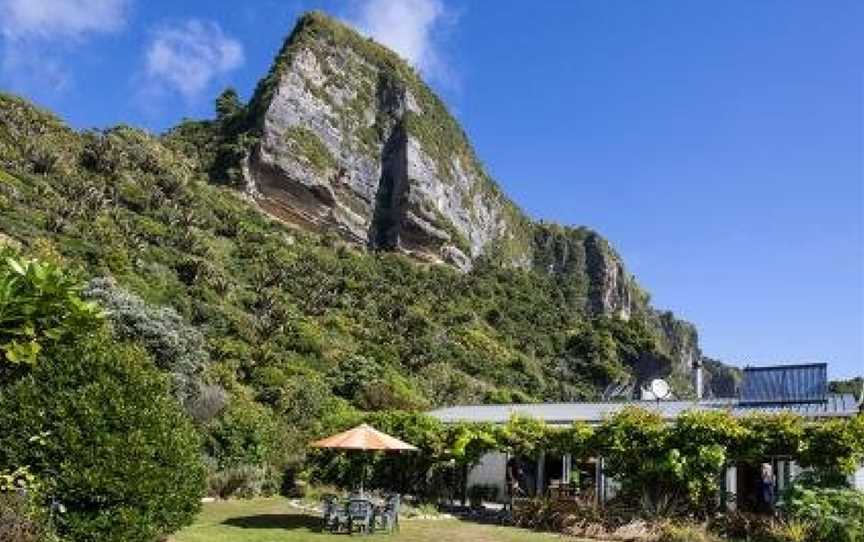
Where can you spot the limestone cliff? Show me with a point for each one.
(351, 140)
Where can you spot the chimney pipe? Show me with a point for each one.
(697, 378)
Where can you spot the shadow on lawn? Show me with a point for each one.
(275, 521)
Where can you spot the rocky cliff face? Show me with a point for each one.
(350, 140)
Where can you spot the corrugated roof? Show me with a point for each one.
(840, 405)
(785, 384)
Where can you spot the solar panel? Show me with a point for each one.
(785, 384)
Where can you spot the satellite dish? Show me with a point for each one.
(659, 388)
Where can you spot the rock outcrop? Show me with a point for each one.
(351, 140)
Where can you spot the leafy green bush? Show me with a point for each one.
(835, 515)
(39, 306)
(118, 452)
(833, 450)
(244, 434)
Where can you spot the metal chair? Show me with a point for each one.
(389, 515)
(360, 516)
(335, 516)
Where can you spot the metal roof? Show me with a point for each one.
(785, 384)
(840, 405)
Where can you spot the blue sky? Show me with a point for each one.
(718, 145)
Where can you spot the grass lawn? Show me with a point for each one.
(274, 520)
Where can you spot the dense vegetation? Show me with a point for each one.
(87, 420)
(240, 309)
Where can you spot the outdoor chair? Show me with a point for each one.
(335, 515)
(360, 516)
(389, 515)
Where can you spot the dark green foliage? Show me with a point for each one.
(245, 434)
(855, 386)
(833, 515)
(119, 453)
(721, 380)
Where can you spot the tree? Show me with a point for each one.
(228, 104)
(116, 448)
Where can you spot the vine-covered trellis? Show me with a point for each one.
(684, 459)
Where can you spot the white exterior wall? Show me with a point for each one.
(858, 479)
(613, 486)
(732, 488)
(491, 471)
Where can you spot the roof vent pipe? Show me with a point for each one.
(697, 379)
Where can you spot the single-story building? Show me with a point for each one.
(800, 389)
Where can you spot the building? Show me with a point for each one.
(800, 389)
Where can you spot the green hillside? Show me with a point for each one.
(299, 324)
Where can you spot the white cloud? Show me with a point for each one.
(53, 19)
(408, 27)
(188, 56)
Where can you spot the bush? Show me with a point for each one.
(21, 520)
(40, 307)
(558, 516)
(685, 532)
(21, 517)
(119, 453)
(246, 433)
(835, 515)
(243, 481)
(176, 346)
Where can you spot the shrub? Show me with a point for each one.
(21, 517)
(246, 433)
(792, 530)
(176, 346)
(118, 451)
(21, 520)
(834, 449)
(835, 515)
(243, 481)
(685, 532)
(558, 516)
(40, 306)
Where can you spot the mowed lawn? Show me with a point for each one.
(274, 520)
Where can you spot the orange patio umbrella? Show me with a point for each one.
(364, 438)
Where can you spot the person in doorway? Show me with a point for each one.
(515, 476)
(767, 485)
